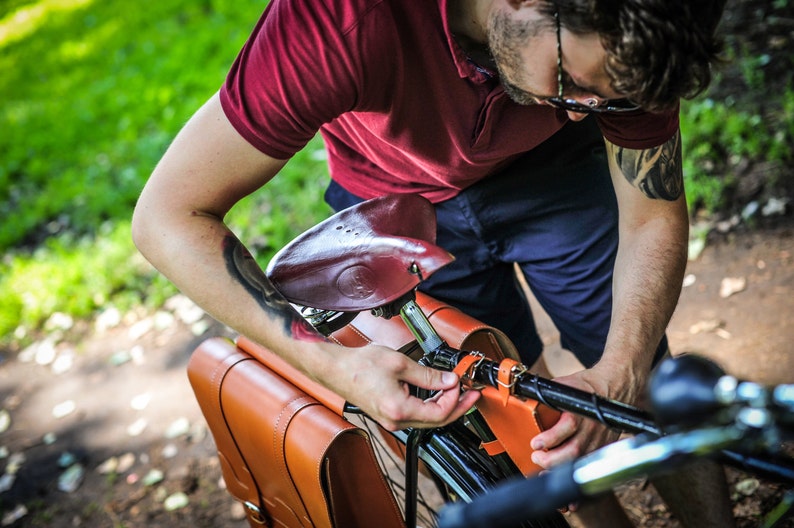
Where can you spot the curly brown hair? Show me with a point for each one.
(658, 51)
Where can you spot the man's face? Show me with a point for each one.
(524, 47)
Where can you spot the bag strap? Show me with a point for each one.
(322, 394)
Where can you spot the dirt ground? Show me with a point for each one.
(108, 402)
(737, 309)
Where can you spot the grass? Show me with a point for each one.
(719, 137)
(93, 91)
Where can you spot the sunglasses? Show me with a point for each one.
(593, 106)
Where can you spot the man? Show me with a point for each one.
(480, 106)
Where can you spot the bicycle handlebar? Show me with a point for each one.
(513, 502)
(760, 416)
(554, 394)
(630, 419)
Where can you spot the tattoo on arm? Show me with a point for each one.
(243, 268)
(657, 172)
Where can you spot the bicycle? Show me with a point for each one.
(366, 262)
(685, 391)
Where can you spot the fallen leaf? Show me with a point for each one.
(710, 325)
(176, 501)
(747, 486)
(64, 409)
(732, 285)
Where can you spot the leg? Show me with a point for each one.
(566, 251)
(697, 495)
(604, 511)
(570, 268)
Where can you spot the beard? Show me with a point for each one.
(516, 94)
(506, 39)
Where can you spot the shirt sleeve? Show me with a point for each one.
(292, 76)
(639, 130)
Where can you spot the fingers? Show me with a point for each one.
(444, 407)
(398, 409)
(570, 438)
(557, 444)
(428, 378)
(565, 427)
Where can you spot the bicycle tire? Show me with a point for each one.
(454, 468)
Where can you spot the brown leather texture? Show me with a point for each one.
(515, 423)
(363, 257)
(282, 451)
(455, 327)
(324, 395)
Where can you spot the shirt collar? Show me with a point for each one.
(467, 68)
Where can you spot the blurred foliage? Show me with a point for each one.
(738, 135)
(93, 92)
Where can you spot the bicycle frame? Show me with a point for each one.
(760, 421)
(608, 412)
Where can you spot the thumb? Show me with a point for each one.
(430, 378)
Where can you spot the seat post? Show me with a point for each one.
(416, 321)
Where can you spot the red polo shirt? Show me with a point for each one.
(399, 105)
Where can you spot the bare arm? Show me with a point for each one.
(649, 268)
(651, 258)
(178, 225)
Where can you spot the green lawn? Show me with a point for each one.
(93, 92)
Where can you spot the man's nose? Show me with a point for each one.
(585, 100)
(575, 116)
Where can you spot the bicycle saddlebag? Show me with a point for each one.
(289, 458)
(513, 420)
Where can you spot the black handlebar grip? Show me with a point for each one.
(515, 501)
(682, 390)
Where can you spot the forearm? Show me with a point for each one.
(647, 282)
(178, 227)
(211, 266)
(199, 254)
(651, 257)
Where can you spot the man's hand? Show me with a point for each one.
(573, 436)
(378, 380)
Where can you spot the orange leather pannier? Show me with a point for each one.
(288, 454)
(289, 459)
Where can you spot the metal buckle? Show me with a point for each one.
(468, 375)
(255, 513)
(516, 372)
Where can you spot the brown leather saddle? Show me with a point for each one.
(363, 257)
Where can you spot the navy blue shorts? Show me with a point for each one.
(554, 213)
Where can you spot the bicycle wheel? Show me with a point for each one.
(453, 468)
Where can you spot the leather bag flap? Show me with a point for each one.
(283, 451)
(514, 423)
